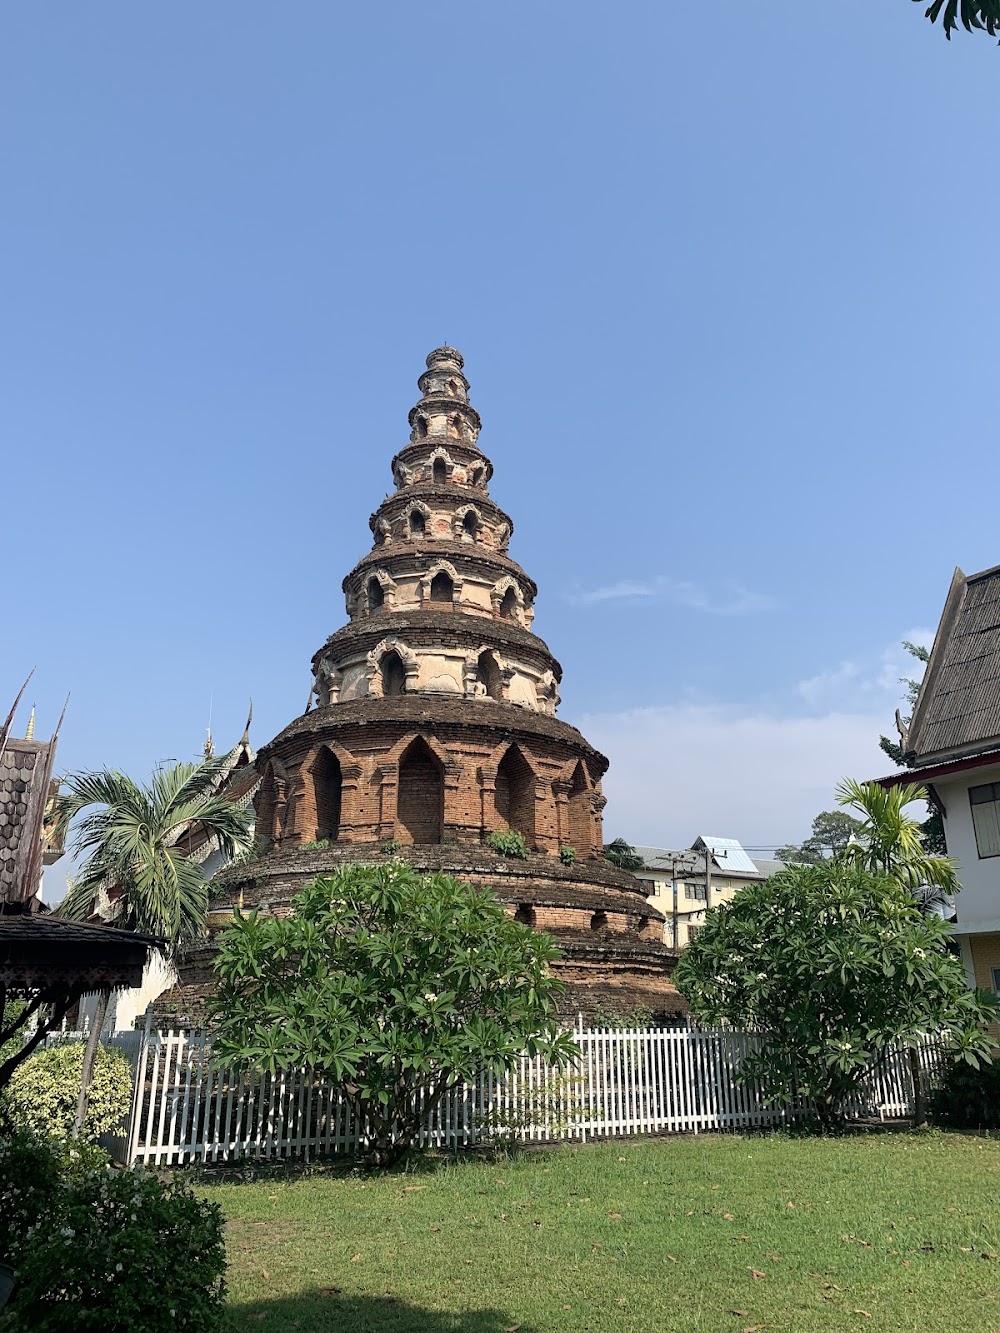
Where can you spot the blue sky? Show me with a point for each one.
(724, 293)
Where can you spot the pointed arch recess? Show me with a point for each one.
(408, 658)
(441, 567)
(420, 794)
(467, 522)
(516, 785)
(508, 599)
(580, 809)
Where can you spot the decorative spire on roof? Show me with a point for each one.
(444, 407)
(29, 734)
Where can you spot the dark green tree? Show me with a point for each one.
(130, 837)
(623, 855)
(932, 829)
(395, 985)
(971, 14)
(832, 830)
(834, 968)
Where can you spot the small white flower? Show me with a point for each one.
(919, 953)
(430, 996)
(118, 1268)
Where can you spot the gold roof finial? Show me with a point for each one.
(29, 735)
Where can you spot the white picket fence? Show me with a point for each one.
(187, 1108)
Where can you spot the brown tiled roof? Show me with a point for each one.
(958, 708)
(39, 952)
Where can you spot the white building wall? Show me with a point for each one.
(979, 900)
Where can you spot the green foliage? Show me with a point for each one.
(622, 854)
(870, 1230)
(834, 968)
(42, 1093)
(130, 837)
(831, 832)
(508, 842)
(316, 845)
(554, 1106)
(967, 1098)
(623, 1020)
(396, 985)
(104, 1250)
(972, 14)
(891, 843)
(892, 748)
(567, 855)
(390, 847)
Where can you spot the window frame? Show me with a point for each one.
(993, 800)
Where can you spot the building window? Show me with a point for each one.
(694, 892)
(986, 818)
(996, 980)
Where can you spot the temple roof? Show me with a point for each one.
(957, 712)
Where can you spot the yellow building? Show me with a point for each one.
(684, 884)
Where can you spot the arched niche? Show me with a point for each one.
(418, 517)
(328, 791)
(508, 600)
(599, 921)
(580, 817)
(393, 669)
(525, 914)
(515, 794)
(489, 677)
(392, 674)
(439, 471)
(420, 794)
(442, 588)
(467, 523)
(375, 595)
(378, 592)
(438, 591)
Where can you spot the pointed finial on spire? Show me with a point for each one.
(209, 747)
(245, 738)
(29, 735)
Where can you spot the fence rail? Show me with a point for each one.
(187, 1108)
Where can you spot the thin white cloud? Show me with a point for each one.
(751, 771)
(732, 599)
(737, 772)
(853, 684)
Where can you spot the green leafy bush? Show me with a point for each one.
(395, 985)
(390, 847)
(967, 1098)
(834, 968)
(103, 1251)
(508, 843)
(567, 855)
(42, 1093)
(317, 845)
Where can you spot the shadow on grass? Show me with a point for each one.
(327, 1309)
(417, 1163)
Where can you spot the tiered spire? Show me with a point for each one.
(441, 547)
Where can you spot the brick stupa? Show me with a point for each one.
(435, 725)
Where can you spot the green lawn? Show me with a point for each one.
(888, 1231)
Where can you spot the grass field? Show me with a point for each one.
(888, 1231)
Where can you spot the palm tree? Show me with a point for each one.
(623, 855)
(890, 843)
(131, 838)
